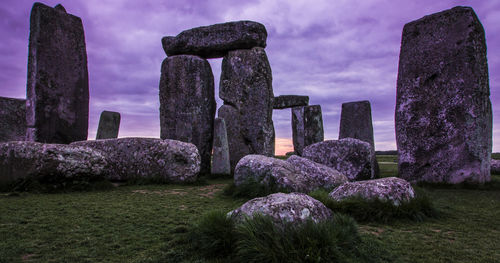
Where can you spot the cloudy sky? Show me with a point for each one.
(332, 51)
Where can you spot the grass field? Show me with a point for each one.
(145, 224)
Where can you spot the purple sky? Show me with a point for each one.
(333, 51)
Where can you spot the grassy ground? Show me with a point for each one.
(143, 224)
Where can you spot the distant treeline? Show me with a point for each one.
(391, 152)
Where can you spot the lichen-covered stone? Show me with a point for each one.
(187, 103)
(352, 157)
(290, 101)
(294, 207)
(49, 162)
(307, 127)
(395, 190)
(443, 110)
(109, 125)
(57, 108)
(220, 157)
(246, 88)
(132, 158)
(216, 40)
(317, 175)
(12, 119)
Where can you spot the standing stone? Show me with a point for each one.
(220, 158)
(109, 124)
(57, 107)
(187, 103)
(246, 88)
(12, 119)
(443, 109)
(307, 127)
(290, 101)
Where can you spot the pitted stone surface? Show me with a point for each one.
(307, 127)
(216, 40)
(352, 157)
(293, 207)
(12, 119)
(318, 175)
(220, 157)
(131, 158)
(443, 110)
(392, 189)
(246, 88)
(290, 101)
(109, 125)
(48, 161)
(187, 103)
(57, 107)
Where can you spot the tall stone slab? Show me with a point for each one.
(220, 158)
(12, 119)
(187, 103)
(246, 88)
(307, 127)
(57, 107)
(109, 125)
(356, 121)
(443, 110)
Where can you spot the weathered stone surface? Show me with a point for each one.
(293, 207)
(290, 101)
(443, 110)
(317, 175)
(352, 157)
(495, 166)
(220, 158)
(187, 103)
(307, 127)
(131, 158)
(57, 107)
(12, 119)
(246, 88)
(216, 40)
(269, 171)
(109, 125)
(46, 162)
(392, 189)
(356, 121)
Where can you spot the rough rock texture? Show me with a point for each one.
(495, 166)
(307, 127)
(109, 125)
(290, 101)
(46, 162)
(216, 40)
(57, 108)
(352, 157)
(12, 119)
(247, 91)
(356, 121)
(293, 207)
(187, 103)
(220, 157)
(318, 175)
(273, 172)
(392, 189)
(443, 109)
(131, 158)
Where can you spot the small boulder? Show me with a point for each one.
(352, 157)
(495, 166)
(293, 207)
(392, 189)
(317, 175)
(130, 158)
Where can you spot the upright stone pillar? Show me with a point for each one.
(109, 125)
(246, 88)
(58, 87)
(220, 158)
(307, 127)
(12, 119)
(187, 103)
(443, 109)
